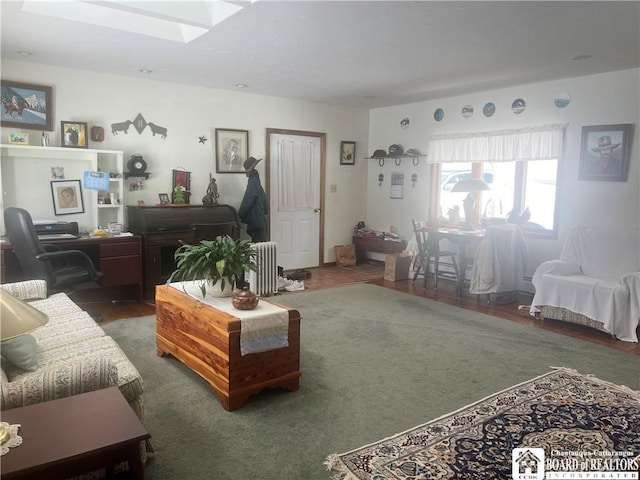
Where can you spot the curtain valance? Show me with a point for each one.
(533, 143)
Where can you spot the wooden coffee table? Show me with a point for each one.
(207, 340)
(74, 435)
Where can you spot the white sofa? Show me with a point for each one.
(595, 282)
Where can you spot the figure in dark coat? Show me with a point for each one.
(254, 206)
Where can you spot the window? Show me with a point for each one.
(519, 167)
(513, 186)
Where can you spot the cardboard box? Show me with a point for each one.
(396, 267)
(346, 255)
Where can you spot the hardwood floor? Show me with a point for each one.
(373, 272)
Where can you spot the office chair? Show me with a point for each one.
(430, 249)
(61, 269)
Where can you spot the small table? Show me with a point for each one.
(378, 245)
(74, 435)
(207, 340)
(463, 239)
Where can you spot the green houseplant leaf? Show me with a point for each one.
(222, 259)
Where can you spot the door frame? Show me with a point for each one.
(267, 166)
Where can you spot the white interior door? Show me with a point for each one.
(294, 203)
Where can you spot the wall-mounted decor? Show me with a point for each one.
(67, 197)
(25, 105)
(518, 106)
(140, 124)
(467, 111)
(562, 100)
(202, 139)
(232, 149)
(605, 152)
(404, 123)
(57, 173)
(438, 115)
(347, 152)
(97, 134)
(19, 138)
(489, 109)
(73, 134)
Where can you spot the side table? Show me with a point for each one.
(74, 435)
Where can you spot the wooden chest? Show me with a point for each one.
(207, 340)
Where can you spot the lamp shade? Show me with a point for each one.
(470, 185)
(17, 317)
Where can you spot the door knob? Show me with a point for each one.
(316, 210)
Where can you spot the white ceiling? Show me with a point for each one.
(357, 53)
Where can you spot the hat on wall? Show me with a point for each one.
(413, 152)
(250, 163)
(396, 150)
(379, 154)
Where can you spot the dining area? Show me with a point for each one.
(487, 261)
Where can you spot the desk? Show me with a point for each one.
(74, 435)
(118, 258)
(464, 239)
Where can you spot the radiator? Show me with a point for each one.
(264, 282)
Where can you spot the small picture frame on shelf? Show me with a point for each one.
(347, 153)
(67, 197)
(164, 199)
(19, 138)
(73, 134)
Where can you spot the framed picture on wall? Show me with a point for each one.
(605, 152)
(26, 105)
(232, 149)
(347, 153)
(67, 197)
(73, 134)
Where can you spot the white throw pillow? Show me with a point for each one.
(21, 352)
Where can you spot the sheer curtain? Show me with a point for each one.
(533, 143)
(295, 170)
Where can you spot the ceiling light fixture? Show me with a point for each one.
(24, 53)
(144, 70)
(241, 85)
(584, 56)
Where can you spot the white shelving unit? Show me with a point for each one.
(25, 176)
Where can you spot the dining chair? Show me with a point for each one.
(428, 249)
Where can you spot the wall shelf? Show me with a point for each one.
(397, 160)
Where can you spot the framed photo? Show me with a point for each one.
(347, 153)
(164, 198)
(26, 105)
(19, 138)
(67, 197)
(232, 149)
(73, 134)
(605, 152)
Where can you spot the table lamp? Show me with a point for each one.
(471, 186)
(17, 318)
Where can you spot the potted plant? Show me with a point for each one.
(219, 264)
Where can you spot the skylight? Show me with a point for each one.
(176, 21)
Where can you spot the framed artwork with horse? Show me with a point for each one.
(26, 105)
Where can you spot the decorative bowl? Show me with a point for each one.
(245, 299)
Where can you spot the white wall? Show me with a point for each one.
(611, 98)
(189, 112)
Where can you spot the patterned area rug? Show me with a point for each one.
(561, 411)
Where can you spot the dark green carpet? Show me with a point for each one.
(374, 362)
